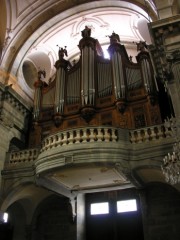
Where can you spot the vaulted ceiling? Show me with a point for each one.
(33, 30)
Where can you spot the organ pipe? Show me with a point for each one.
(59, 92)
(37, 98)
(147, 76)
(118, 77)
(87, 77)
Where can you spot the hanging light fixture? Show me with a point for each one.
(171, 162)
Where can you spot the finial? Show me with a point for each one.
(86, 32)
(41, 73)
(114, 38)
(141, 46)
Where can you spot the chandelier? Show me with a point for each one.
(171, 162)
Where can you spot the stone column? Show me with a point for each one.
(144, 212)
(174, 89)
(81, 221)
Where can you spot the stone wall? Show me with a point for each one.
(162, 213)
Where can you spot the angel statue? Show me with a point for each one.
(62, 52)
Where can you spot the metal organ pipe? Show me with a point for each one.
(59, 92)
(147, 75)
(37, 98)
(104, 79)
(87, 78)
(118, 77)
(73, 86)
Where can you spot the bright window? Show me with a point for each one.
(126, 206)
(99, 208)
(5, 217)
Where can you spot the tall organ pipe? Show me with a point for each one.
(118, 77)
(37, 98)
(59, 92)
(149, 81)
(87, 76)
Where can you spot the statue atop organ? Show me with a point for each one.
(97, 91)
(86, 32)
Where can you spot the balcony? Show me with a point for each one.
(95, 157)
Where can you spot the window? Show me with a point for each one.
(3, 217)
(126, 206)
(99, 208)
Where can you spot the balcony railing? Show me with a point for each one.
(80, 135)
(23, 156)
(87, 135)
(149, 134)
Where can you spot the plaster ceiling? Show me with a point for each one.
(88, 177)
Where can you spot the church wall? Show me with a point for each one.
(162, 213)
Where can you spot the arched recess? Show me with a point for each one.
(17, 220)
(53, 219)
(16, 144)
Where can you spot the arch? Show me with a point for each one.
(17, 220)
(52, 219)
(15, 144)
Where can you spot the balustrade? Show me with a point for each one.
(23, 156)
(81, 135)
(149, 134)
(88, 135)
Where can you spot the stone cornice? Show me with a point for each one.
(8, 94)
(164, 22)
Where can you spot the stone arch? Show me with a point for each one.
(52, 219)
(16, 144)
(17, 220)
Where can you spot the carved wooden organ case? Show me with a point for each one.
(97, 91)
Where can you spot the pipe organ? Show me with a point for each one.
(98, 91)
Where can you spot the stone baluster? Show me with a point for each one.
(91, 134)
(107, 135)
(58, 140)
(153, 134)
(114, 136)
(139, 136)
(146, 135)
(64, 138)
(99, 135)
(132, 137)
(47, 143)
(77, 137)
(83, 136)
(53, 143)
(71, 137)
